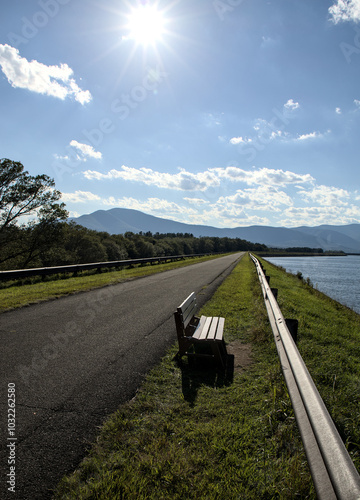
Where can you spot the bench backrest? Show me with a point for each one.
(184, 313)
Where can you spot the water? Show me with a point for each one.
(337, 277)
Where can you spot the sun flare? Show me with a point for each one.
(146, 25)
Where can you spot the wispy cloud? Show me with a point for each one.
(196, 201)
(317, 215)
(259, 198)
(311, 135)
(86, 150)
(263, 176)
(79, 197)
(291, 105)
(201, 181)
(345, 10)
(55, 81)
(182, 181)
(267, 131)
(326, 195)
(156, 206)
(240, 140)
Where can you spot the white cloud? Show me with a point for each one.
(260, 198)
(240, 140)
(265, 128)
(338, 111)
(311, 135)
(263, 176)
(183, 181)
(227, 214)
(86, 150)
(268, 131)
(326, 196)
(66, 158)
(151, 204)
(201, 181)
(79, 197)
(154, 206)
(291, 105)
(196, 201)
(53, 81)
(345, 10)
(357, 103)
(315, 216)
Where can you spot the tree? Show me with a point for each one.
(29, 213)
(24, 195)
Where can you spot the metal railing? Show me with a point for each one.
(46, 271)
(332, 470)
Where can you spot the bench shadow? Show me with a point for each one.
(198, 372)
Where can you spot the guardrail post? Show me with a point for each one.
(274, 292)
(292, 325)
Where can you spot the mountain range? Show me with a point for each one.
(120, 220)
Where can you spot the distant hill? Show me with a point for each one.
(327, 237)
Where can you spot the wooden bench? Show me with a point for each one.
(199, 337)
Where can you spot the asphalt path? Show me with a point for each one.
(75, 360)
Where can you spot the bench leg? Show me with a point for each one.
(184, 346)
(219, 352)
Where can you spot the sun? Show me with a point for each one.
(146, 25)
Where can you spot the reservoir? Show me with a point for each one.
(337, 277)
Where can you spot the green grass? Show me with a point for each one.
(191, 433)
(26, 292)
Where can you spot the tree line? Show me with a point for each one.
(69, 243)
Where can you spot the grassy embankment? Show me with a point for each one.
(190, 434)
(32, 290)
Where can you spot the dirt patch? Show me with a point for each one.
(242, 355)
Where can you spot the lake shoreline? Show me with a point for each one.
(336, 278)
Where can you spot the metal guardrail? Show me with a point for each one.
(46, 271)
(332, 470)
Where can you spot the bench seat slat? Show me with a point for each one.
(205, 330)
(220, 329)
(200, 328)
(212, 329)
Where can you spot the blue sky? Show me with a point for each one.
(226, 112)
